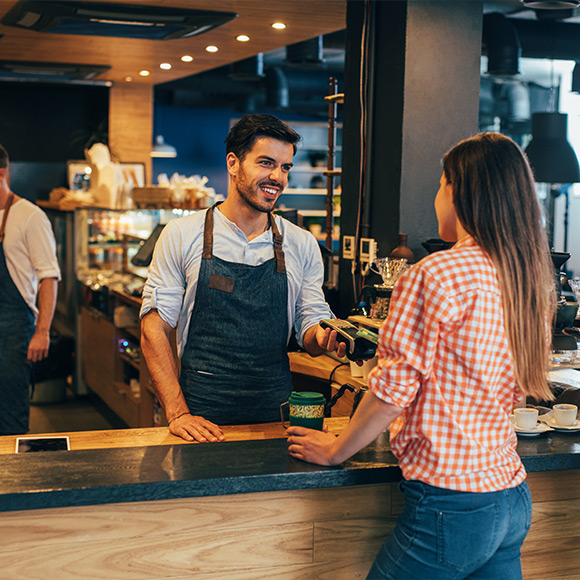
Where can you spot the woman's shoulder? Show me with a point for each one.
(456, 265)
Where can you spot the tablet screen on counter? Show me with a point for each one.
(32, 444)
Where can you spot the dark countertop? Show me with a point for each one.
(98, 476)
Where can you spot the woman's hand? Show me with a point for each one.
(312, 445)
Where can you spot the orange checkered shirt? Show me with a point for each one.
(444, 358)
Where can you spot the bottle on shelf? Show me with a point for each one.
(403, 251)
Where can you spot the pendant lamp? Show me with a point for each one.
(162, 149)
(551, 156)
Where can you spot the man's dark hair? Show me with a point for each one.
(3, 158)
(244, 133)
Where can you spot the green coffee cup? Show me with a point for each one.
(307, 410)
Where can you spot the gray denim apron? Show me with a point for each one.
(16, 330)
(235, 367)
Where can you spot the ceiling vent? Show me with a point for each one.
(49, 72)
(116, 20)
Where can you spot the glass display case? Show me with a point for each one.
(107, 240)
(107, 243)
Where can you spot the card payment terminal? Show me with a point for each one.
(361, 344)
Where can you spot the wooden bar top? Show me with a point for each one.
(154, 436)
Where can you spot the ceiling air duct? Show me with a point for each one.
(307, 53)
(249, 69)
(52, 72)
(115, 20)
(502, 45)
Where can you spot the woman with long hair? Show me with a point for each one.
(466, 338)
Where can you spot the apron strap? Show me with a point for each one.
(278, 251)
(208, 240)
(208, 233)
(6, 210)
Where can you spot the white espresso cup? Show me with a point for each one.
(526, 418)
(565, 414)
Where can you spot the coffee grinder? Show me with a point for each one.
(564, 344)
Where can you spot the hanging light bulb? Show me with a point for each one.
(162, 149)
(549, 153)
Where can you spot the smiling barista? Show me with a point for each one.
(234, 279)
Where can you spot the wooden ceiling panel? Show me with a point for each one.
(304, 19)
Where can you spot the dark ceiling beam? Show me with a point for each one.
(547, 39)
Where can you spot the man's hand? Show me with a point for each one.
(311, 445)
(38, 347)
(196, 428)
(318, 340)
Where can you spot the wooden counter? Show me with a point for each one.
(143, 505)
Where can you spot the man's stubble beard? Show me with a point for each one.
(249, 195)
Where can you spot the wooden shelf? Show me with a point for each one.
(338, 98)
(308, 191)
(135, 364)
(133, 331)
(125, 390)
(315, 213)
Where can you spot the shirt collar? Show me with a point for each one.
(464, 242)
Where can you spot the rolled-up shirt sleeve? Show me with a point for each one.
(165, 286)
(42, 246)
(311, 306)
(408, 339)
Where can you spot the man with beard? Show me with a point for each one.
(234, 280)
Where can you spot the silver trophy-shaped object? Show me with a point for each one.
(390, 270)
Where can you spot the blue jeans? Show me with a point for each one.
(453, 535)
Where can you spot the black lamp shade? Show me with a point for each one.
(551, 156)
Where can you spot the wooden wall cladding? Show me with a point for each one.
(313, 534)
(552, 548)
(131, 124)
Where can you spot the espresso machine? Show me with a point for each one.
(564, 345)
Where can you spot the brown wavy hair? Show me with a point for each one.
(496, 202)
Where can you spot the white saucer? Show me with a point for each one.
(537, 430)
(548, 419)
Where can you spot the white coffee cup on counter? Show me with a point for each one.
(368, 366)
(526, 418)
(355, 370)
(565, 414)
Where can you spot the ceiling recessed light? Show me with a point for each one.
(165, 66)
(187, 58)
(128, 79)
(211, 48)
(279, 25)
(144, 73)
(242, 38)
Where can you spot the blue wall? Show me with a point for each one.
(198, 135)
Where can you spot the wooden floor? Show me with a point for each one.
(87, 413)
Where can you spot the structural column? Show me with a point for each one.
(420, 91)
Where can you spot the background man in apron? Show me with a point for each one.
(234, 280)
(28, 266)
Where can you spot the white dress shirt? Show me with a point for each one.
(30, 249)
(174, 271)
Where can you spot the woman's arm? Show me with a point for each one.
(371, 418)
